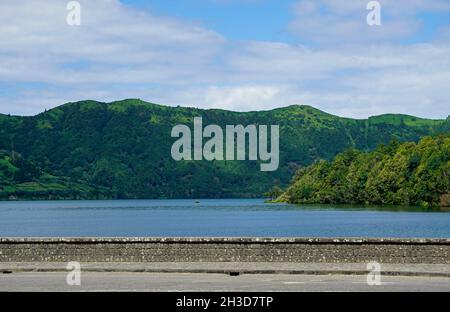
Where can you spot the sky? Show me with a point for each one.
(237, 55)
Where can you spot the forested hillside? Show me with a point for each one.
(397, 174)
(122, 149)
(20, 178)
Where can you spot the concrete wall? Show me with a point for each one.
(224, 250)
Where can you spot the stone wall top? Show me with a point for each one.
(225, 240)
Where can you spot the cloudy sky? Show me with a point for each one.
(238, 55)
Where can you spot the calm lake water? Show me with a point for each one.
(233, 217)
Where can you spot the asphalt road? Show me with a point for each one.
(91, 281)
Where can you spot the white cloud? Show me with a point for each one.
(251, 97)
(344, 22)
(120, 52)
(115, 42)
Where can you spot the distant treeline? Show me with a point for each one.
(396, 174)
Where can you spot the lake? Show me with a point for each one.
(214, 218)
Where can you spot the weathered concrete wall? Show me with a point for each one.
(224, 250)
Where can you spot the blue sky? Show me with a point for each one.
(260, 19)
(238, 55)
(238, 20)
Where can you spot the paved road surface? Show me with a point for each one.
(436, 270)
(92, 281)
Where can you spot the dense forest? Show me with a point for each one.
(21, 179)
(122, 149)
(396, 174)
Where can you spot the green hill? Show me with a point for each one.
(122, 149)
(397, 174)
(20, 178)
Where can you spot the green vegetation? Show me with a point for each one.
(20, 178)
(114, 150)
(397, 174)
(274, 193)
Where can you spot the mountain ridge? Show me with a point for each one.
(140, 102)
